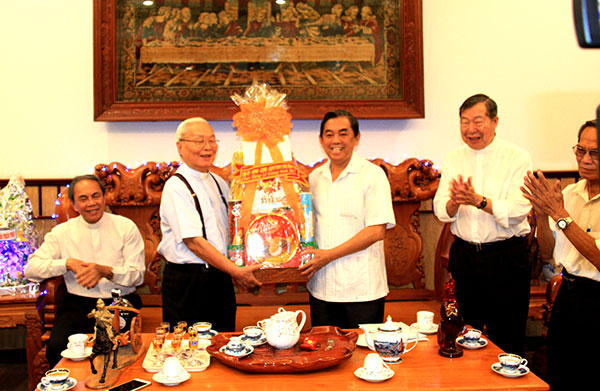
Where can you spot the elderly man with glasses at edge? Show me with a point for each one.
(568, 227)
(197, 281)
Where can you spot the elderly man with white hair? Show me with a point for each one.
(197, 281)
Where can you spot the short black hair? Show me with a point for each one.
(88, 177)
(340, 113)
(588, 124)
(490, 105)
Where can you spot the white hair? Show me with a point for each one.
(182, 127)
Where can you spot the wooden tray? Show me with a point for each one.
(333, 347)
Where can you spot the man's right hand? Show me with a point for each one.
(75, 265)
(244, 276)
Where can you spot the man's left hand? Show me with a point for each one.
(320, 258)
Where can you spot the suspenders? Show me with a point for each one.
(197, 203)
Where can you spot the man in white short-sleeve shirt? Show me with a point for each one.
(353, 209)
(568, 230)
(197, 283)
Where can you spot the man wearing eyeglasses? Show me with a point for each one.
(197, 281)
(568, 228)
(479, 195)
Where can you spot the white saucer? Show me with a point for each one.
(208, 335)
(432, 330)
(363, 374)
(468, 345)
(158, 377)
(247, 350)
(521, 371)
(73, 357)
(70, 383)
(253, 341)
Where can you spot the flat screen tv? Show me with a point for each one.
(587, 22)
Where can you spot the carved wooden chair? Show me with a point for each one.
(551, 291)
(446, 239)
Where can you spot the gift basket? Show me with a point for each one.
(270, 205)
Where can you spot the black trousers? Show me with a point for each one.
(573, 342)
(493, 288)
(196, 293)
(71, 318)
(346, 315)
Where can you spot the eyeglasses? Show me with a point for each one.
(213, 142)
(580, 152)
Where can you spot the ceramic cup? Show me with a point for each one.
(511, 362)
(252, 332)
(203, 327)
(373, 363)
(172, 369)
(472, 336)
(77, 344)
(235, 344)
(425, 320)
(56, 378)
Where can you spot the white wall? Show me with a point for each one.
(524, 54)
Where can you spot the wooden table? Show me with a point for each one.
(421, 369)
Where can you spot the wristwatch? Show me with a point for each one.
(563, 223)
(483, 203)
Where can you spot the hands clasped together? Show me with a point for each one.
(463, 193)
(546, 198)
(88, 274)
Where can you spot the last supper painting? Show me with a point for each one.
(178, 55)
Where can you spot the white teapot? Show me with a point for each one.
(389, 341)
(282, 329)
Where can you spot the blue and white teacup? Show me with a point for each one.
(235, 345)
(203, 327)
(253, 333)
(472, 336)
(56, 378)
(511, 362)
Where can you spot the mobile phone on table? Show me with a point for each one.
(131, 385)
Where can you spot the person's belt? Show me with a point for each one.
(490, 245)
(192, 267)
(572, 281)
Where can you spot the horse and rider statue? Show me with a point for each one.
(107, 339)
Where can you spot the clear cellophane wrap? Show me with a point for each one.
(270, 205)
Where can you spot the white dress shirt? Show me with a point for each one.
(586, 213)
(112, 241)
(179, 218)
(497, 173)
(358, 198)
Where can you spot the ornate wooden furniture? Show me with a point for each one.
(551, 291)
(20, 310)
(135, 193)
